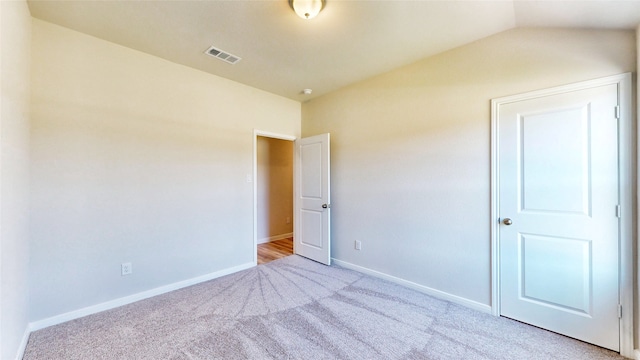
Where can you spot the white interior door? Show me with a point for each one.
(312, 221)
(559, 213)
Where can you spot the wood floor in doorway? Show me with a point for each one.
(274, 250)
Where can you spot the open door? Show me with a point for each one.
(311, 232)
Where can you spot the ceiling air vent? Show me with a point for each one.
(222, 55)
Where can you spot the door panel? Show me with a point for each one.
(558, 184)
(564, 285)
(311, 171)
(311, 228)
(312, 236)
(562, 152)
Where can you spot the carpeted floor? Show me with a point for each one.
(294, 308)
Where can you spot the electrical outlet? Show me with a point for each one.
(358, 245)
(288, 220)
(126, 268)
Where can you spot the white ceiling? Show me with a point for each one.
(349, 41)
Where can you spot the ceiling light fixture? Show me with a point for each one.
(307, 9)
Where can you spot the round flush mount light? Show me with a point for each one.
(307, 9)
(307, 91)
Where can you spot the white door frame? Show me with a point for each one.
(626, 188)
(257, 133)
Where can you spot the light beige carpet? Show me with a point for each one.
(294, 308)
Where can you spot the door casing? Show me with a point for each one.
(626, 187)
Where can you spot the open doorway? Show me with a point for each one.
(273, 197)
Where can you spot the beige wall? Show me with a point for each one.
(411, 151)
(136, 159)
(275, 188)
(15, 45)
(637, 294)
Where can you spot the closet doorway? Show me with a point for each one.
(274, 197)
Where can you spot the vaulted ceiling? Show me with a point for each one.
(349, 41)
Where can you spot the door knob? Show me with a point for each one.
(507, 221)
(324, 206)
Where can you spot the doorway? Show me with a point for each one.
(561, 204)
(311, 197)
(273, 174)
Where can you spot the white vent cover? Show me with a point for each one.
(222, 55)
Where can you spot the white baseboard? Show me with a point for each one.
(636, 352)
(421, 288)
(23, 343)
(275, 237)
(72, 315)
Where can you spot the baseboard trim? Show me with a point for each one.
(421, 288)
(636, 354)
(23, 344)
(275, 238)
(93, 309)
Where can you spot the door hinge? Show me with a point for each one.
(617, 111)
(619, 311)
(618, 211)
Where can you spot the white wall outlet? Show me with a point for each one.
(358, 245)
(126, 268)
(249, 178)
